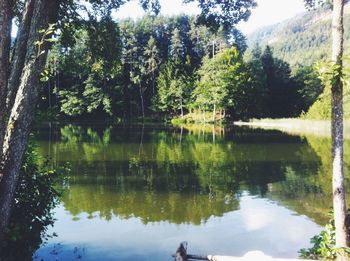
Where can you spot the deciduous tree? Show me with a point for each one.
(339, 202)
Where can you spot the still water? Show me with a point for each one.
(136, 192)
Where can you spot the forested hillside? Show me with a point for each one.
(303, 39)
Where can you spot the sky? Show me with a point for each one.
(268, 11)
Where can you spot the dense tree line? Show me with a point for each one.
(148, 55)
(169, 66)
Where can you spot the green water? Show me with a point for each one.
(136, 192)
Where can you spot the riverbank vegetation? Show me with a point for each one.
(36, 197)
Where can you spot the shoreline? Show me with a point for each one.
(295, 126)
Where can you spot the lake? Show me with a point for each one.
(135, 192)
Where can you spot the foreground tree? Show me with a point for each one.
(339, 202)
(25, 71)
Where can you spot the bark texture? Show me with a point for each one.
(5, 41)
(22, 112)
(339, 203)
(19, 55)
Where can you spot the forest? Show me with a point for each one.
(169, 67)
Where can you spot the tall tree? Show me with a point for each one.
(258, 82)
(137, 75)
(174, 87)
(5, 39)
(339, 202)
(177, 48)
(152, 60)
(281, 89)
(22, 112)
(225, 83)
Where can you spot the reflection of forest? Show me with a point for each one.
(312, 193)
(179, 175)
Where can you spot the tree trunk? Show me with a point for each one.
(22, 113)
(5, 41)
(19, 55)
(214, 113)
(142, 102)
(153, 83)
(181, 108)
(339, 203)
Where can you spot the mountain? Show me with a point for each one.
(304, 39)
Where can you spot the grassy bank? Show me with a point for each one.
(297, 126)
(198, 117)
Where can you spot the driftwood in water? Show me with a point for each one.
(197, 257)
(181, 254)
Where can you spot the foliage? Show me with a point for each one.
(281, 94)
(195, 117)
(225, 13)
(321, 108)
(280, 86)
(165, 65)
(311, 86)
(46, 38)
(174, 88)
(222, 82)
(89, 69)
(105, 68)
(32, 213)
(324, 244)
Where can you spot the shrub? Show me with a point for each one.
(324, 244)
(33, 206)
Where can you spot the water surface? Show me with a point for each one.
(136, 192)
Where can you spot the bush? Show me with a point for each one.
(324, 244)
(320, 110)
(32, 212)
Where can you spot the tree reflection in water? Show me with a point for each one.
(184, 175)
